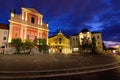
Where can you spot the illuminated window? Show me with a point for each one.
(32, 20)
(75, 49)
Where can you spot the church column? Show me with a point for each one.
(38, 34)
(47, 38)
(47, 35)
(26, 16)
(10, 33)
(41, 20)
(41, 34)
(22, 15)
(38, 20)
(25, 33)
(21, 33)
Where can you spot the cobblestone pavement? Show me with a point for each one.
(52, 62)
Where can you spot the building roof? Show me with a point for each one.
(75, 35)
(33, 10)
(4, 26)
(95, 32)
(84, 30)
(59, 33)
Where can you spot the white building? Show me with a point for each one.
(85, 37)
(3, 35)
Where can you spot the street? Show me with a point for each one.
(52, 67)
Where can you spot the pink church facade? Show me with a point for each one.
(28, 25)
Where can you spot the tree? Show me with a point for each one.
(27, 46)
(86, 45)
(41, 44)
(94, 48)
(104, 47)
(17, 42)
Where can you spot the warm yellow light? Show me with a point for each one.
(117, 46)
(12, 14)
(80, 33)
(47, 25)
(88, 32)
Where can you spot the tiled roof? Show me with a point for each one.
(4, 26)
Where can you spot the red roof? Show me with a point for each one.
(4, 26)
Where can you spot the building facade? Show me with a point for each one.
(3, 35)
(74, 40)
(28, 25)
(98, 39)
(85, 37)
(59, 44)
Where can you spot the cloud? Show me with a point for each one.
(111, 43)
(72, 15)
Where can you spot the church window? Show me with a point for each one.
(32, 20)
(15, 34)
(60, 40)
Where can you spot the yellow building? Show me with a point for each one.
(59, 44)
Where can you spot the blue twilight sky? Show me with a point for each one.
(71, 16)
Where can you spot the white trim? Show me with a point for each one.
(29, 25)
(26, 16)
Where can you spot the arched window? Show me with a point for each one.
(32, 20)
(60, 40)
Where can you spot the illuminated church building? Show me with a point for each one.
(28, 25)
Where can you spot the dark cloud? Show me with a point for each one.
(72, 15)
